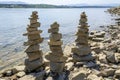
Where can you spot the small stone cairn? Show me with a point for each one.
(56, 57)
(81, 51)
(35, 60)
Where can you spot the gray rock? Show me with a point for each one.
(107, 72)
(34, 76)
(111, 57)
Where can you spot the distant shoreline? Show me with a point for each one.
(47, 6)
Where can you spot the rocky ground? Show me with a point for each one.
(115, 10)
(105, 46)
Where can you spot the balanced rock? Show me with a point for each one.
(34, 60)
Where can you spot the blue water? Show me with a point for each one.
(13, 23)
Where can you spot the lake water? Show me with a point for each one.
(13, 23)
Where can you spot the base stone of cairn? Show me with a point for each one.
(35, 60)
(56, 57)
(81, 51)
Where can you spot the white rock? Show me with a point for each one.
(69, 66)
(20, 74)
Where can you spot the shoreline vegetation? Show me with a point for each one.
(47, 6)
(105, 49)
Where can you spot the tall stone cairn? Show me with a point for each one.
(56, 57)
(35, 60)
(81, 51)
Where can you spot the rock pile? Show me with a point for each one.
(81, 51)
(35, 60)
(56, 56)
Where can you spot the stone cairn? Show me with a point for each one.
(56, 57)
(81, 51)
(35, 60)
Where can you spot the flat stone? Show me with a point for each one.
(34, 76)
(81, 40)
(83, 20)
(33, 33)
(35, 55)
(32, 21)
(81, 50)
(32, 48)
(91, 37)
(34, 42)
(90, 64)
(80, 75)
(34, 37)
(20, 74)
(107, 72)
(30, 29)
(55, 57)
(55, 37)
(57, 66)
(100, 34)
(55, 42)
(56, 49)
(33, 65)
(19, 68)
(34, 25)
(55, 30)
(94, 77)
(34, 16)
(98, 39)
(83, 58)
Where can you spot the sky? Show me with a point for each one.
(64, 2)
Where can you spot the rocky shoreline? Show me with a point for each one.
(105, 48)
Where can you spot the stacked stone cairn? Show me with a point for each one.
(56, 57)
(35, 60)
(81, 51)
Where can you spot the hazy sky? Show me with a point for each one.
(68, 1)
